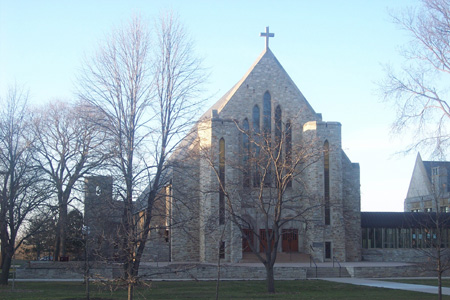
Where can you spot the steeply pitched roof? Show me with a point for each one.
(266, 54)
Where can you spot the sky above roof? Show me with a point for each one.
(333, 50)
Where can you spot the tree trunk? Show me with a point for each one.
(57, 244)
(218, 279)
(270, 281)
(130, 290)
(63, 229)
(5, 269)
(440, 285)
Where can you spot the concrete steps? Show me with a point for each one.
(282, 257)
(326, 272)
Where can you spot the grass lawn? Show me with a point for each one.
(299, 289)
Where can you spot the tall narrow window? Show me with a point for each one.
(267, 133)
(328, 250)
(222, 181)
(278, 145)
(278, 128)
(326, 177)
(222, 249)
(256, 146)
(245, 154)
(267, 115)
(288, 154)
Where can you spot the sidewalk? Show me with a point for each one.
(390, 285)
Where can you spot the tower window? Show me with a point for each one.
(326, 177)
(222, 181)
(246, 154)
(256, 146)
(288, 154)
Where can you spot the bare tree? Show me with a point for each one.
(146, 100)
(420, 89)
(22, 189)
(40, 231)
(268, 166)
(433, 241)
(69, 147)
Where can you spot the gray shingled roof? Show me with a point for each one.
(402, 219)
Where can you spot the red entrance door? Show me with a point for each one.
(247, 240)
(263, 239)
(290, 240)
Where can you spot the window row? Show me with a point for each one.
(254, 164)
(403, 238)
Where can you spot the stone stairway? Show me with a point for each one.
(326, 272)
(282, 257)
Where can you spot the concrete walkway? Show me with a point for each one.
(391, 285)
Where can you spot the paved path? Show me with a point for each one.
(391, 285)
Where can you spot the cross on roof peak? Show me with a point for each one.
(267, 35)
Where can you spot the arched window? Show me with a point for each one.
(278, 128)
(267, 115)
(222, 181)
(278, 145)
(267, 133)
(256, 145)
(246, 154)
(326, 177)
(256, 128)
(288, 152)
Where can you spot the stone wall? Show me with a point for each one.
(75, 270)
(393, 255)
(352, 208)
(397, 271)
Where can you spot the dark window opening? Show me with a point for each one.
(256, 146)
(246, 154)
(267, 133)
(222, 181)
(288, 154)
(326, 171)
(327, 250)
(222, 250)
(278, 146)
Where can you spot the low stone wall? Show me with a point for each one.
(393, 255)
(75, 270)
(208, 271)
(185, 271)
(63, 270)
(397, 271)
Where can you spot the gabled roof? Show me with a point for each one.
(421, 179)
(420, 183)
(266, 54)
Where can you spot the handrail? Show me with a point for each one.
(311, 260)
(335, 259)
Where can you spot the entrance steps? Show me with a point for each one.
(326, 272)
(282, 257)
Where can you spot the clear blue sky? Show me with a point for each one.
(333, 50)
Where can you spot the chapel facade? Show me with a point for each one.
(214, 184)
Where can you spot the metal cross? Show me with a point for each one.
(267, 35)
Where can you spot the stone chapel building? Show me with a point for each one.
(214, 160)
(211, 204)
